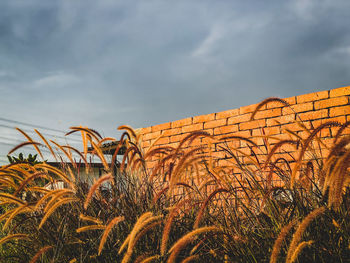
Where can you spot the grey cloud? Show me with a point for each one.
(106, 63)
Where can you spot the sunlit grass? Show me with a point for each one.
(194, 205)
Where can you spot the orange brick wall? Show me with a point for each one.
(274, 118)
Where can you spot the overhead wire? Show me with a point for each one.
(10, 139)
(43, 133)
(33, 132)
(32, 125)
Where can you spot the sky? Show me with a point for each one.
(107, 63)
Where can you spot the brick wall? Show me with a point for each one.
(274, 118)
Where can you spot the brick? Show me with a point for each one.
(340, 119)
(246, 134)
(192, 127)
(150, 136)
(280, 120)
(283, 155)
(151, 164)
(298, 108)
(288, 148)
(215, 123)
(314, 115)
(161, 127)
(283, 136)
(292, 127)
(257, 132)
(238, 119)
(276, 104)
(252, 125)
(250, 108)
(204, 118)
(245, 150)
(304, 134)
(265, 114)
(170, 132)
(233, 143)
(162, 140)
(268, 131)
(174, 144)
(334, 131)
(145, 144)
(177, 138)
(180, 123)
(210, 131)
(225, 163)
(328, 141)
(312, 96)
(226, 129)
(337, 111)
(146, 130)
(325, 152)
(284, 150)
(207, 140)
(340, 91)
(291, 100)
(258, 140)
(196, 142)
(332, 102)
(325, 133)
(272, 130)
(227, 114)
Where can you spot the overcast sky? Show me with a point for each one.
(106, 63)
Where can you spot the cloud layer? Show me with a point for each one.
(106, 63)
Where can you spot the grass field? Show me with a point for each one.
(261, 206)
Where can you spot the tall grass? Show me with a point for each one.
(195, 205)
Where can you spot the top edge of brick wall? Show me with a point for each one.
(320, 95)
(340, 91)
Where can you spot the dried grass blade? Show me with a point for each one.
(21, 209)
(130, 130)
(266, 101)
(46, 143)
(301, 229)
(11, 198)
(28, 179)
(167, 227)
(142, 218)
(22, 145)
(278, 243)
(31, 140)
(183, 241)
(39, 253)
(91, 227)
(66, 153)
(91, 219)
(205, 204)
(13, 236)
(109, 227)
(190, 258)
(93, 188)
(55, 206)
(56, 171)
(299, 248)
(150, 259)
(100, 155)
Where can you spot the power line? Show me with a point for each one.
(46, 134)
(31, 125)
(14, 145)
(41, 146)
(10, 139)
